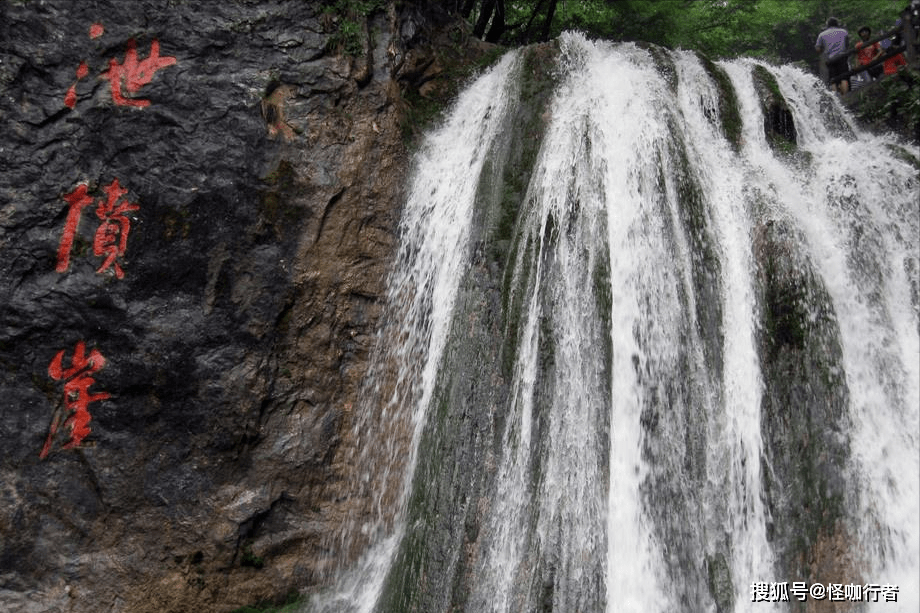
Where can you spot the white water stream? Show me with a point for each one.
(629, 477)
(435, 232)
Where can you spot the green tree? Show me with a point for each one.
(784, 30)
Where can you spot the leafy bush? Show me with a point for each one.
(349, 16)
(893, 103)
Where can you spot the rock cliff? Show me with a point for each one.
(199, 203)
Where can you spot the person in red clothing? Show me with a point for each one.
(892, 64)
(867, 54)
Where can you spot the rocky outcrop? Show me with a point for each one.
(778, 124)
(807, 488)
(199, 206)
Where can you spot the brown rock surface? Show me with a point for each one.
(268, 168)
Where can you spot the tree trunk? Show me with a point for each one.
(488, 6)
(498, 23)
(527, 32)
(467, 8)
(547, 25)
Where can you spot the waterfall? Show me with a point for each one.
(436, 229)
(652, 344)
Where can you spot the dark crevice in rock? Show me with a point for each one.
(249, 529)
(330, 204)
(51, 118)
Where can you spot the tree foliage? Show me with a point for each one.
(780, 31)
(784, 30)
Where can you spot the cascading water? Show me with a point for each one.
(436, 230)
(642, 353)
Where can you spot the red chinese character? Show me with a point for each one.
(111, 239)
(71, 98)
(134, 73)
(78, 200)
(77, 381)
(112, 236)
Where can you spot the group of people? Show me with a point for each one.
(834, 46)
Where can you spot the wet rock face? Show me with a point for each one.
(198, 207)
(778, 123)
(804, 414)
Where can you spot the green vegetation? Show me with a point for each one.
(892, 103)
(250, 559)
(777, 31)
(423, 110)
(349, 17)
(784, 30)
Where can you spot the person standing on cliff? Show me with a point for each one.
(868, 53)
(832, 44)
(891, 64)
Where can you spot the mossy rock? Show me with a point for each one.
(720, 582)
(729, 109)
(804, 406)
(778, 122)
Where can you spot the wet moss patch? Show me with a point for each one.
(706, 268)
(720, 582)
(778, 122)
(663, 63)
(427, 94)
(432, 569)
(729, 113)
(804, 408)
(905, 155)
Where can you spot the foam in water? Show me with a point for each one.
(630, 471)
(859, 212)
(435, 230)
(736, 445)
